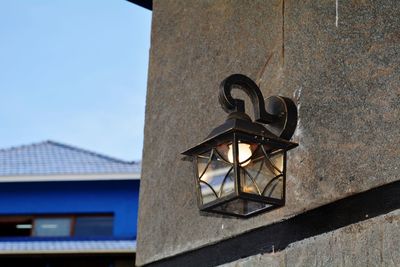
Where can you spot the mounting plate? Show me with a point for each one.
(286, 110)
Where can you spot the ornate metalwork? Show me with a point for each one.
(255, 183)
(281, 112)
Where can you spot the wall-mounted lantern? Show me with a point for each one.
(240, 166)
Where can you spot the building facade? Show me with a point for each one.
(61, 205)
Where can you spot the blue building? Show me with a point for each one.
(60, 205)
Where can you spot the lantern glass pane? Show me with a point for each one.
(264, 174)
(242, 207)
(215, 176)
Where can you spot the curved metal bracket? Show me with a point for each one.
(230, 104)
(280, 114)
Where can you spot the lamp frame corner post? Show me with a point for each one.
(240, 167)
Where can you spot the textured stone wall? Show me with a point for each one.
(344, 77)
(373, 242)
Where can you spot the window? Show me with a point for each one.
(52, 227)
(82, 225)
(15, 226)
(93, 226)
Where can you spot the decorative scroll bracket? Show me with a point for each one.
(278, 113)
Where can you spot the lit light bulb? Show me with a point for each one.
(244, 154)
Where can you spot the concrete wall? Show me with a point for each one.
(374, 242)
(342, 69)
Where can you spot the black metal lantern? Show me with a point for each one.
(240, 166)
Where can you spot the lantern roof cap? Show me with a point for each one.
(239, 122)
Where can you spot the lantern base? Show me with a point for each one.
(243, 207)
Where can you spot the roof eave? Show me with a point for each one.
(69, 177)
(148, 4)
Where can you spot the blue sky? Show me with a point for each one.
(75, 72)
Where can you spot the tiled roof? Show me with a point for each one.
(72, 246)
(53, 158)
